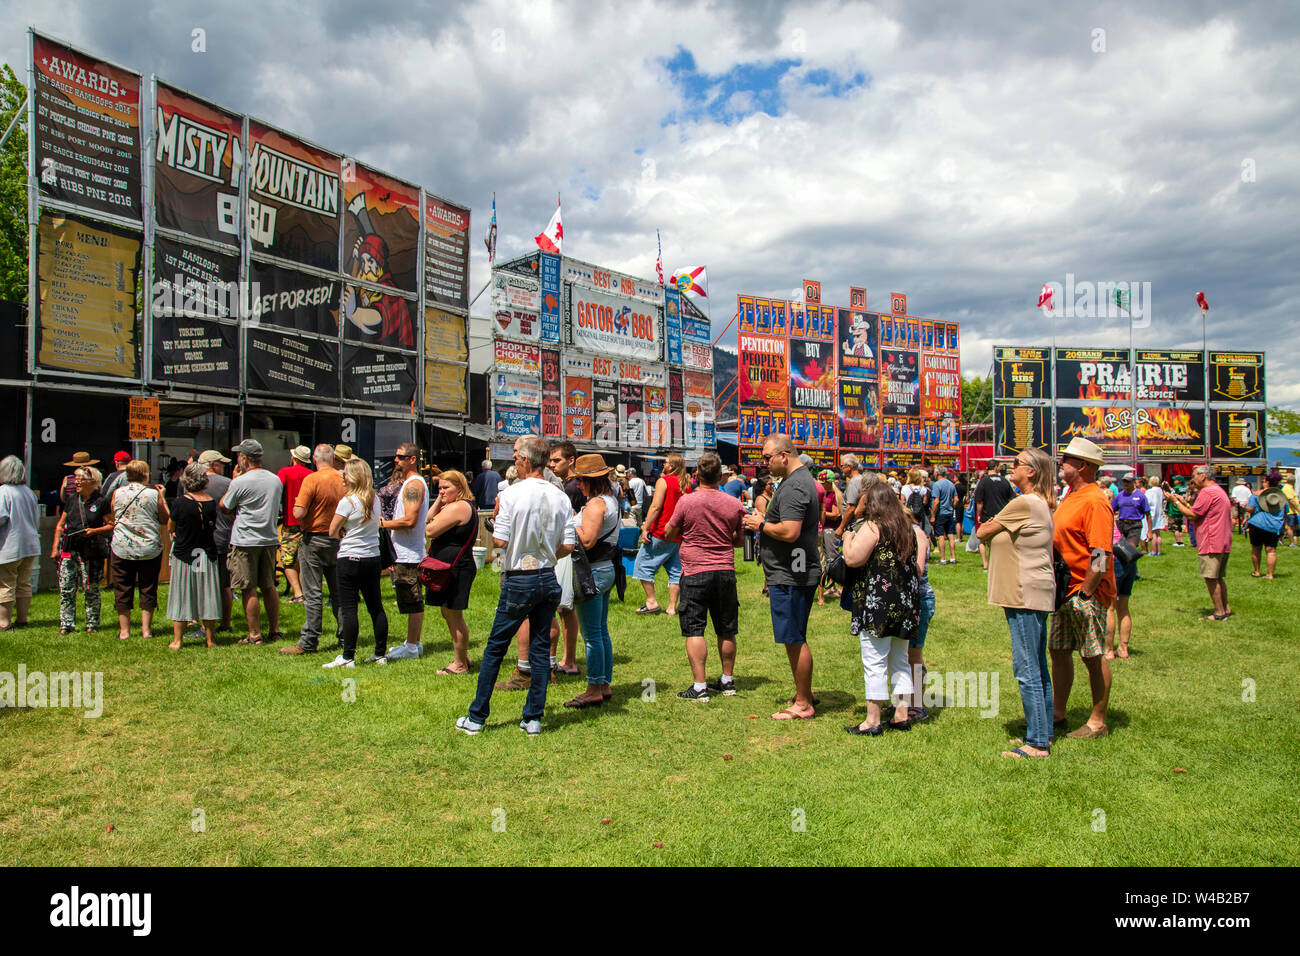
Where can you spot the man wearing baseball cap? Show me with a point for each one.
(291, 478)
(1131, 506)
(1084, 535)
(253, 501)
(118, 476)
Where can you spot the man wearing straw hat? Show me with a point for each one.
(1084, 535)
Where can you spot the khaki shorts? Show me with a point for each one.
(1080, 625)
(406, 585)
(290, 541)
(252, 567)
(1214, 566)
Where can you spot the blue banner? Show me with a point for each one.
(673, 325)
(550, 272)
(518, 421)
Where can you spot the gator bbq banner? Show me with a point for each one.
(87, 135)
(1169, 376)
(614, 325)
(1017, 427)
(381, 228)
(1170, 432)
(859, 343)
(1021, 373)
(1106, 426)
(446, 253)
(1100, 375)
(940, 385)
(900, 384)
(288, 364)
(378, 377)
(812, 375)
(198, 159)
(87, 279)
(294, 198)
(295, 300)
(1236, 376)
(764, 372)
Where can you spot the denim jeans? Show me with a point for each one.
(1029, 663)
(524, 597)
(360, 577)
(593, 617)
(318, 558)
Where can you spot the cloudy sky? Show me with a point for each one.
(961, 153)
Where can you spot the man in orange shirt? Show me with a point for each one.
(318, 497)
(1084, 535)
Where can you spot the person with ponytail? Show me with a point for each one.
(356, 523)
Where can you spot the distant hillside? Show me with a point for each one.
(725, 366)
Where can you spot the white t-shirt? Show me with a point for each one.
(408, 543)
(1241, 494)
(360, 538)
(1156, 501)
(533, 520)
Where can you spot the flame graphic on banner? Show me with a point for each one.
(1167, 424)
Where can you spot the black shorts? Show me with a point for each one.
(945, 525)
(1259, 538)
(223, 569)
(455, 597)
(709, 593)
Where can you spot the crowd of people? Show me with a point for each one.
(1060, 543)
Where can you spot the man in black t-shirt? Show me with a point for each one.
(787, 537)
(991, 496)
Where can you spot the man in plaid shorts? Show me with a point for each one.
(1084, 535)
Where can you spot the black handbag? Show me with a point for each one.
(584, 582)
(1124, 551)
(387, 553)
(1061, 572)
(836, 573)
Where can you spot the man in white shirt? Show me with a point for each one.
(533, 528)
(637, 486)
(407, 529)
(1241, 498)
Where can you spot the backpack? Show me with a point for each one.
(916, 503)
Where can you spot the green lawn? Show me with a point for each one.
(285, 771)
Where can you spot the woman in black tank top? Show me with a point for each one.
(451, 525)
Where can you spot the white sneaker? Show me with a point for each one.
(340, 661)
(465, 725)
(531, 727)
(374, 659)
(406, 650)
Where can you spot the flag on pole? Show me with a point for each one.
(659, 260)
(1045, 298)
(1200, 300)
(551, 239)
(694, 281)
(1123, 298)
(491, 239)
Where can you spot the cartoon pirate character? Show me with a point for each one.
(386, 316)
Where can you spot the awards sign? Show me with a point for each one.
(87, 135)
(378, 377)
(940, 385)
(577, 407)
(1017, 427)
(195, 352)
(764, 377)
(516, 357)
(198, 161)
(196, 282)
(516, 301)
(289, 364)
(1021, 373)
(1236, 376)
(446, 253)
(1237, 434)
(614, 325)
(86, 277)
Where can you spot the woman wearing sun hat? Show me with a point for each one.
(598, 529)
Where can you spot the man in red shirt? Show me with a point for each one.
(1211, 516)
(291, 478)
(1084, 535)
(707, 522)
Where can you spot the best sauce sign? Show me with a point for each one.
(615, 325)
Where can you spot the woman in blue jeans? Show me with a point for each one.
(1021, 583)
(598, 533)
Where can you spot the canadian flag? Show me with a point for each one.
(551, 238)
(1045, 297)
(1200, 300)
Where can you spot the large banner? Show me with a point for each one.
(1169, 376)
(1096, 375)
(445, 339)
(196, 352)
(614, 325)
(381, 230)
(1237, 433)
(516, 306)
(87, 135)
(87, 279)
(940, 385)
(294, 198)
(295, 300)
(1110, 428)
(287, 364)
(198, 161)
(517, 357)
(1236, 376)
(1170, 432)
(446, 253)
(444, 387)
(1017, 427)
(577, 407)
(812, 376)
(192, 281)
(764, 377)
(859, 339)
(1021, 373)
(900, 383)
(859, 415)
(378, 377)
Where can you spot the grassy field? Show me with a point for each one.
(237, 755)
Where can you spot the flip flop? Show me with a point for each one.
(1216, 617)
(646, 609)
(789, 714)
(857, 731)
(446, 672)
(247, 640)
(1018, 754)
